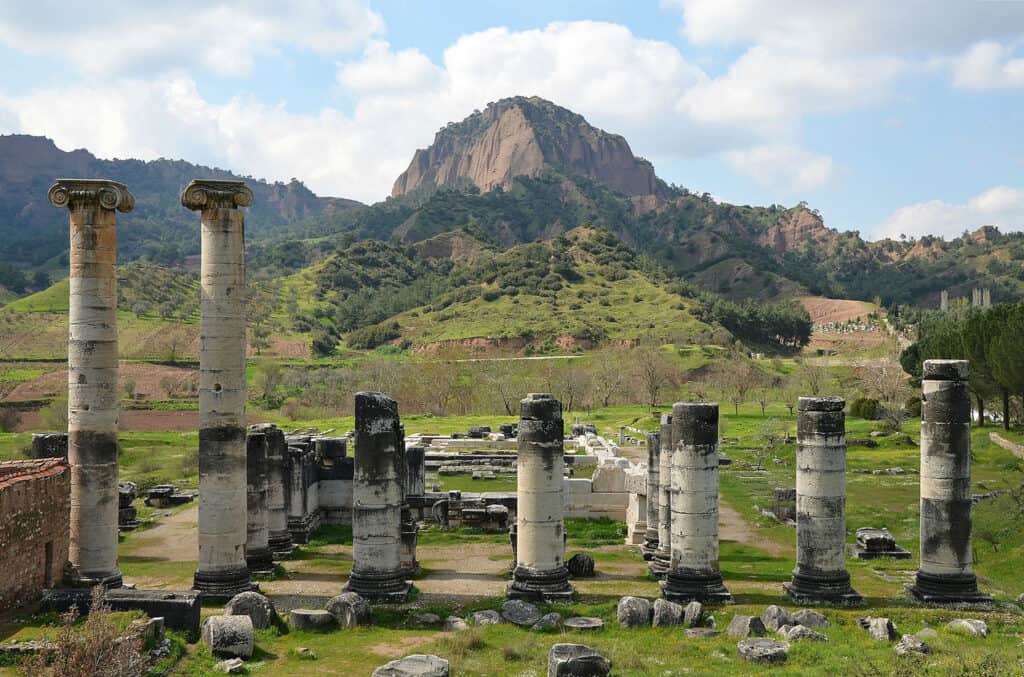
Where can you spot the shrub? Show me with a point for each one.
(95, 647)
(864, 407)
(54, 416)
(370, 337)
(914, 407)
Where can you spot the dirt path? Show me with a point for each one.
(175, 538)
(732, 527)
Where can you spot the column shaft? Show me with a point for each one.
(820, 574)
(257, 549)
(662, 560)
(377, 501)
(946, 574)
(540, 571)
(693, 572)
(279, 539)
(93, 405)
(223, 504)
(650, 545)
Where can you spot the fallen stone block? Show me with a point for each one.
(810, 619)
(881, 629)
(485, 617)
(667, 613)
(577, 660)
(521, 613)
(229, 636)
(745, 626)
(254, 605)
(551, 621)
(580, 565)
(179, 609)
(968, 626)
(775, 617)
(350, 610)
(761, 650)
(583, 623)
(310, 619)
(909, 644)
(633, 612)
(415, 665)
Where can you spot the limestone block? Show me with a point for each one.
(415, 665)
(349, 610)
(762, 650)
(577, 660)
(257, 607)
(634, 612)
(229, 636)
(310, 619)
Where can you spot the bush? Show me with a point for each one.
(914, 407)
(866, 408)
(370, 337)
(323, 343)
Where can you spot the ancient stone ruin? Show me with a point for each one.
(662, 559)
(377, 572)
(946, 574)
(693, 572)
(650, 546)
(540, 572)
(820, 574)
(257, 544)
(223, 504)
(93, 404)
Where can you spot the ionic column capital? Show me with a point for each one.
(207, 193)
(72, 193)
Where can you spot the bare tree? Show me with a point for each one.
(653, 371)
(738, 378)
(886, 381)
(504, 379)
(815, 378)
(608, 375)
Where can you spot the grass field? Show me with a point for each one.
(754, 569)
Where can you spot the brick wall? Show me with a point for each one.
(35, 505)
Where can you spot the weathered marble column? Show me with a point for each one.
(257, 547)
(540, 572)
(222, 570)
(662, 559)
(650, 545)
(693, 573)
(946, 574)
(279, 539)
(92, 374)
(415, 466)
(377, 502)
(820, 574)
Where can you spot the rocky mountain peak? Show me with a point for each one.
(526, 136)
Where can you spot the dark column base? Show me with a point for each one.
(687, 585)
(259, 561)
(408, 539)
(650, 546)
(300, 528)
(109, 581)
(380, 587)
(280, 544)
(947, 589)
(820, 588)
(660, 562)
(540, 586)
(223, 585)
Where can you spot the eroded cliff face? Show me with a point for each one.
(525, 137)
(796, 229)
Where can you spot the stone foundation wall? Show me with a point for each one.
(35, 507)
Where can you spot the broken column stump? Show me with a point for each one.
(540, 572)
(693, 572)
(946, 574)
(650, 545)
(820, 574)
(662, 559)
(377, 502)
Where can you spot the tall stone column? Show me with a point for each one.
(377, 502)
(820, 574)
(222, 569)
(415, 467)
(279, 539)
(540, 572)
(662, 560)
(257, 547)
(946, 574)
(650, 545)
(92, 374)
(693, 573)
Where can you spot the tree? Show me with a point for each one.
(268, 379)
(815, 378)
(885, 380)
(608, 376)
(505, 380)
(653, 372)
(259, 336)
(738, 378)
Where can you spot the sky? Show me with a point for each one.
(891, 118)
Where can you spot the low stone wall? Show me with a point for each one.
(35, 511)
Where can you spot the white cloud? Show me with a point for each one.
(988, 65)
(783, 167)
(104, 38)
(1001, 206)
